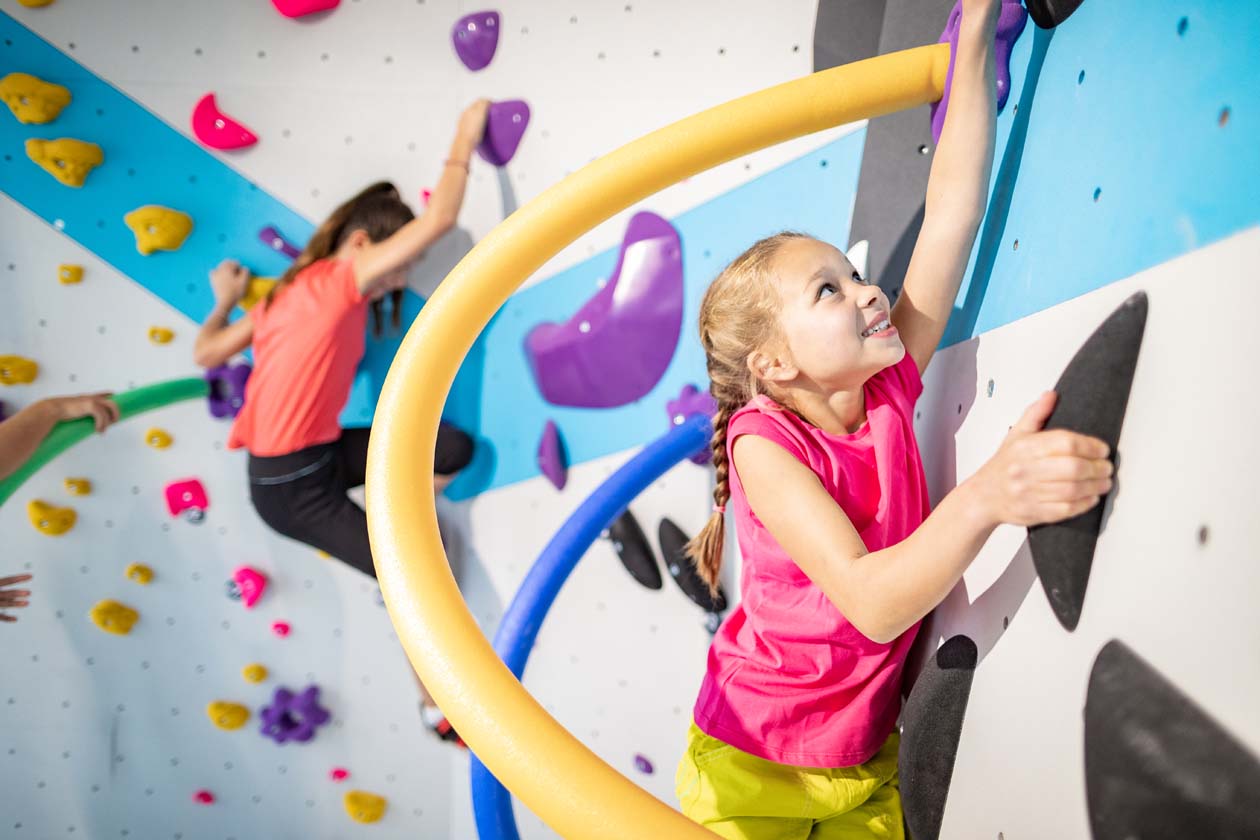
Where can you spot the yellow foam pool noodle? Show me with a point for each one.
(17, 370)
(259, 288)
(68, 160)
(158, 228)
(364, 807)
(69, 274)
(113, 617)
(161, 335)
(254, 672)
(32, 100)
(158, 439)
(139, 573)
(227, 715)
(50, 520)
(78, 486)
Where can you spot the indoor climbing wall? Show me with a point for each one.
(114, 735)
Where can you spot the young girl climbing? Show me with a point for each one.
(816, 381)
(308, 336)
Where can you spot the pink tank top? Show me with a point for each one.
(307, 345)
(789, 679)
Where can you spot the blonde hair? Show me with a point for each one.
(738, 315)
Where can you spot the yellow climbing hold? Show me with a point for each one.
(158, 439)
(68, 160)
(113, 617)
(35, 4)
(139, 573)
(259, 288)
(17, 370)
(365, 807)
(49, 519)
(31, 99)
(227, 715)
(78, 486)
(161, 335)
(254, 673)
(69, 274)
(158, 228)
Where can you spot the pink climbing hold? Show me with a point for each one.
(280, 628)
(250, 583)
(339, 774)
(204, 797)
(301, 8)
(187, 498)
(505, 126)
(216, 129)
(551, 458)
(425, 195)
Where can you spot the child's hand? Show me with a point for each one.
(230, 281)
(1038, 477)
(472, 123)
(102, 409)
(11, 598)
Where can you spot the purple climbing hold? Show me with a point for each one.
(476, 37)
(505, 126)
(617, 346)
(642, 764)
(273, 239)
(691, 400)
(227, 389)
(1011, 20)
(293, 717)
(551, 458)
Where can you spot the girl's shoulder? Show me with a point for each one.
(766, 418)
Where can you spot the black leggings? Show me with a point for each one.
(302, 495)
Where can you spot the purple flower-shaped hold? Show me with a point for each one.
(1011, 20)
(691, 400)
(293, 717)
(227, 389)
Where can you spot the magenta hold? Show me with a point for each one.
(273, 239)
(216, 129)
(250, 583)
(227, 389)
(301, 8)
(293, 717)
(476, 37)
(187, 498)
(281, 628)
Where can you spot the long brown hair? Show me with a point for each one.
(378, 211)
(738, 315)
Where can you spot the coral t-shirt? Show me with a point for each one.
(789, 679)
(307, 346)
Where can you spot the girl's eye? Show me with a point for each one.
(857, 278)
(826, 290)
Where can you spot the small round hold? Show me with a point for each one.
(339, 774)
(281, 628)
(642, 764)
(203, 797)
(233, 591)
(194, 515)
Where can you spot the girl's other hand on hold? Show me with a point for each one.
(1039, 476)
(230, 281)
(472, 122)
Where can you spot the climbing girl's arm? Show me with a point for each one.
(218, 340)
(1035, 477)
(22, 433)
(957, 189)
(380, 259)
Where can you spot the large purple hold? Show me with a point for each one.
(476, 37)
(1011, 22)
(227, 389)
(618, 345)
(505, 126)
(691, 400)
(294, 717)
(551, 458)
(276, 241)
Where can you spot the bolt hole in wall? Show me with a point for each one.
(1203, 535)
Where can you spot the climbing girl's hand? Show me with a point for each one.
(10, 598)
(230, 282)
(1043, 476)
(472, 122)
(102, 409)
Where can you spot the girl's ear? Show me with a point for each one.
(358, 238)
(771, 367)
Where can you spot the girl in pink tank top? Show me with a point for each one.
(816, 377)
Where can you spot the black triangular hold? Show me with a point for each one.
(1050, 13)
(931, 724)
(632, 547)
(673, 543)
(1156, 766)
(1093, 395)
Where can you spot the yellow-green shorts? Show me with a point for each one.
(743, 797)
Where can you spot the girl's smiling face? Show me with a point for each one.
(834, 323)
